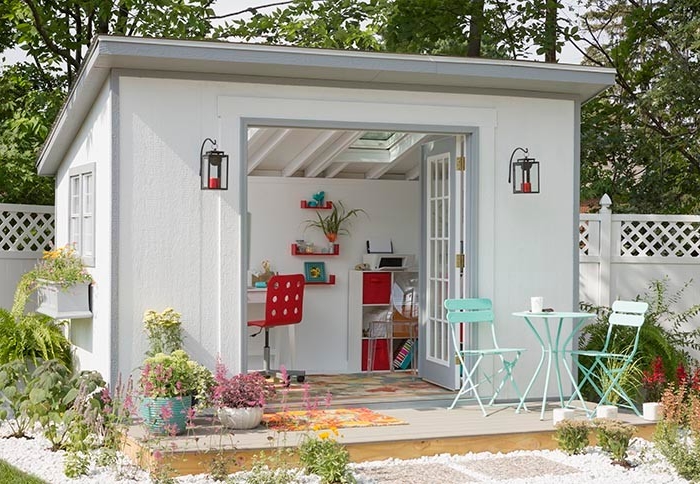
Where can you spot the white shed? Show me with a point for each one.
(381, 132)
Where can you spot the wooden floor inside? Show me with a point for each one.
(430, 429)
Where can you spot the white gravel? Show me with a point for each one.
(517, 467)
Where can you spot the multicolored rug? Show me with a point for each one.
(355, 390)
(326, 419)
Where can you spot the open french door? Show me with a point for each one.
(442, 275)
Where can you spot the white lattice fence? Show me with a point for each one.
(25, 230)
(620, 254)
(657, 236)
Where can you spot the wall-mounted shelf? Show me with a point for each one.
(336, 251)
(326, 205)
(329, 282)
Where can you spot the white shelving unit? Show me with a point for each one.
(375, 297)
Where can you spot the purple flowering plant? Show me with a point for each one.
(241, 390)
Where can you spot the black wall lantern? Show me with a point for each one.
(524, 173)
(214, 168)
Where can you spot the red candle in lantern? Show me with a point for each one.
(214, 183)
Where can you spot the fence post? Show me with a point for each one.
(605, 251)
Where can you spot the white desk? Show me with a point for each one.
(554, 348)
(257, 295)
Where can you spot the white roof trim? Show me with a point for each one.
(310, 65)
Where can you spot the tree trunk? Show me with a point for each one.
(476, 27)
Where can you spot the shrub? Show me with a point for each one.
(326, 457)
(677, 436)
(654, 381)
(242, 390)
(14, 397)
(614, 437)
(572, 435)
(32, 338)
(662, 335)
(167, 375)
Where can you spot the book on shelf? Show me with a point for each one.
(402, 360)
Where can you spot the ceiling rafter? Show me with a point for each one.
(320, 142)
(396, 154)
(274, 141)
(320, 164)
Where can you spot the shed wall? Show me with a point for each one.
(179, 246)
(93, 144)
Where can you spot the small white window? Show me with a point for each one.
(82, 211)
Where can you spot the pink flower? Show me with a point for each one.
(166, 412)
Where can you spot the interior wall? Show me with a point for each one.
(392, 211)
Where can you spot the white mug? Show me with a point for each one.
(536, 304)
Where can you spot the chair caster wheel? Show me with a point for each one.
(301, 378)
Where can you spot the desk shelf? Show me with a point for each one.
(336, 251)
(326, 206)
(329, 282)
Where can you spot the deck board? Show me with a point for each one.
(429, 430)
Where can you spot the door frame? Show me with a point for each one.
(246, 122)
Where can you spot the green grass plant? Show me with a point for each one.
(11, 475)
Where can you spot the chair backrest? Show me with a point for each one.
(469, 311)
(285, 299)
(629, 314)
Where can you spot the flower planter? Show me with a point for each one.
(153, 411)
(652, 411)
(243, 418)
(63, 303)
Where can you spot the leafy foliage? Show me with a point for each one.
(32, 337)
(614, 437)
(639, 141)
(664, 333)
(326, 457)
(241, 390)
(572, 435)
(164, 331)
(677, 435)
(14, 397)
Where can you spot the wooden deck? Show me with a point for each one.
(430, 429)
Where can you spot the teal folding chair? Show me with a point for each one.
(607, 368)
(462, 312)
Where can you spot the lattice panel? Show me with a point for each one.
(659, 239)
(583, 237)
(26, 231)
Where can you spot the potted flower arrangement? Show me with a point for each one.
(167, 383)
(240, 399)
(63, 284)
(335, 223)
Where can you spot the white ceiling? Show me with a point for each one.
(326, 153)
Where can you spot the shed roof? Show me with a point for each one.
(310, 66)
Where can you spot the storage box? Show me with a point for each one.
(376, 288)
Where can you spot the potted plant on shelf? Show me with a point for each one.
(335, 223)
(241, 398)
(167, 383)
(62, 283)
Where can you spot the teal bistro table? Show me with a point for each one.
(552, 346)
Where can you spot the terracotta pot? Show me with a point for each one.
(331, 237)
(240, 418)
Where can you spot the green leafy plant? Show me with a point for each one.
(572, 435)
(662, 335)
(630, 381)
(14, 397)
(53, 393)
(64, 266)
(164, 331)
(335, 223)
(324, 456)
(167, 375)
(614, 437)
(33, 338)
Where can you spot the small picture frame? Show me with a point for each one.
(315, 271)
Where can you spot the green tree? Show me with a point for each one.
(640, 140)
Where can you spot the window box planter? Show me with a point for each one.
(63, 303)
